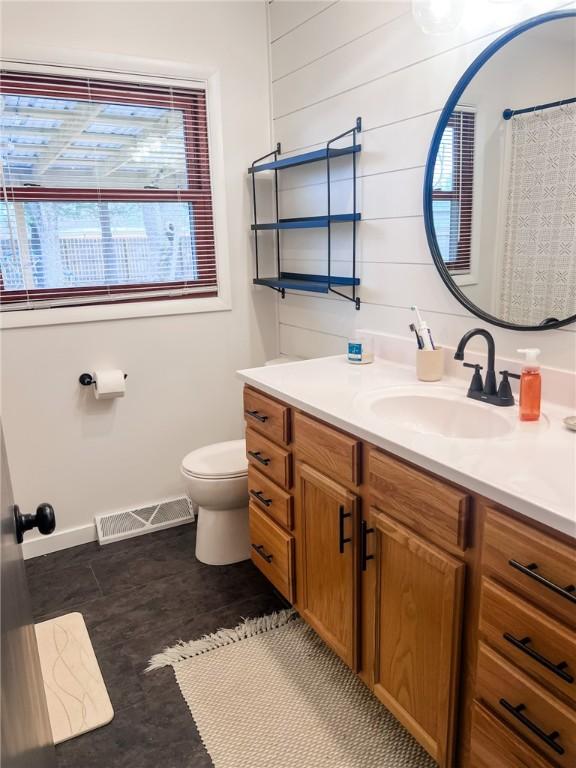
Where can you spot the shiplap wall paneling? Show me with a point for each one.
(333, 62)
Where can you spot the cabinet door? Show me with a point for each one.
(419, 592)
(327, 576)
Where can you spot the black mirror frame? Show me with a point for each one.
(452, 102)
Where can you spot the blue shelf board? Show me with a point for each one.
(296, 281)
(309, 222)
(308, 157)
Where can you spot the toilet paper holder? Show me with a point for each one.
(86, 379)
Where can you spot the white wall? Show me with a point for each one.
(88, 457)
(331, 62)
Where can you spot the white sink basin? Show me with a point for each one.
(437, 411)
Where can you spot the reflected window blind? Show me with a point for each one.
(106, 192)
(453, 187)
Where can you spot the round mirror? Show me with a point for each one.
(500, 182)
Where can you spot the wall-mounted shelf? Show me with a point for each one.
(327, 283)
(309, 222)
(309, 157)
(297, 281)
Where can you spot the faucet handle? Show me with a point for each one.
(504, 394)
(476, 385)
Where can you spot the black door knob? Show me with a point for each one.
(44, 519)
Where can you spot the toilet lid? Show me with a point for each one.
(217, 460)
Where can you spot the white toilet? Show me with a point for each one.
(216, 479)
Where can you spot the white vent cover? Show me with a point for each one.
(135, 522)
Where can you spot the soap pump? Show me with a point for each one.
(530, 386)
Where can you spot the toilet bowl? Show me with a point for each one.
(216, 479)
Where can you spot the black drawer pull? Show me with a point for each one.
(262, 552)
(258, 456)
(530, 570)
(257, 415)
(548, 738)
(522, 645)
(260, 496)
(342, 515)
(364, 557)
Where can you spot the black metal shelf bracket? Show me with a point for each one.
(273, 154)
(353, 132)
(323, 283)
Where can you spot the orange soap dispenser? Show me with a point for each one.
(530, 386)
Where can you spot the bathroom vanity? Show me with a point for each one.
(428, 538)
(433, 576)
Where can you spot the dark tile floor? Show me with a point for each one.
(137, 597)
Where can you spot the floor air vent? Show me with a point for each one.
(136, 522)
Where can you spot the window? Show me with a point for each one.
(453, 191)
(106, 193)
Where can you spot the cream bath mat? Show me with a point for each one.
(75, 691)
(271, 694)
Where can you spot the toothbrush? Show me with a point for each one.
(424, 330)
(418, 337)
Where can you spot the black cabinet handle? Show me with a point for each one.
(262, 552)
(342, 515)
(258, 456)
(257, 415)
(364, 557)
(260, 496)
(530, 570)
(522, 645)
(548, 738)
(44, 519)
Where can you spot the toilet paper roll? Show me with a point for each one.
(109, 384)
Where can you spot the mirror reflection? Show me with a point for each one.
(504, 184)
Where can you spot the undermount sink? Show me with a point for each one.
(436, 410)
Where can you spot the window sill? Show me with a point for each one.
(101, 313)
(462, 280)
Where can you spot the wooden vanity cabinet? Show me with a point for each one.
(526, 659)
(493, 745)
(272, 551)
(442, 602)
(327, 571)
(419, 593)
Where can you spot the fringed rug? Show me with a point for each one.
(270, 694)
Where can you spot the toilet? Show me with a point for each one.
(216, 480)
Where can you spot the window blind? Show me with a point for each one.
(106, 192)
(453, 187)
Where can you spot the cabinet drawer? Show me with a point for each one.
(428, 506)
(535, 564)
(272, 552)
(493, 744)
(267, 416)
(327, 449)
(531, 639)
(271, 499)
(533, 713)
(268, 458)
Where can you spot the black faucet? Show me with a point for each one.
(486, 391)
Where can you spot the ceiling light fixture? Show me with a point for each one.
(438, 17)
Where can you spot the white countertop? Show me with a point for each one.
(532, 470)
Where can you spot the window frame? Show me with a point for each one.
(142, 72)
(462, 187)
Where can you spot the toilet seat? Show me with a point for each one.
(219, 461)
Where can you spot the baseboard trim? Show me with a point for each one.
(69, 537)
